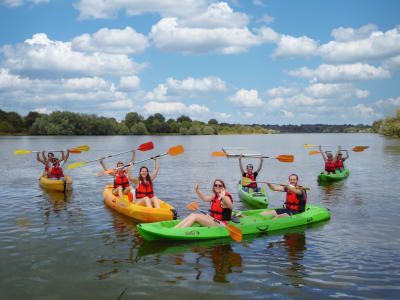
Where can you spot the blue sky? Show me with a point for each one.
(254, 61)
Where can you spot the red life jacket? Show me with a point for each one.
(252, 176)
(219, 213)
(330, 166)
(120, 180)
(294, 201)
(46, 167)
(56, 171)
(144, 190)
(339, 164)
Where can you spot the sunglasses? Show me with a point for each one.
(218, 185)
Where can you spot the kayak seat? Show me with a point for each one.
(250, 190)
(262, 190)
(235, 219)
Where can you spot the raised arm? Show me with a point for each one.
(240, 164)
(132, 179)
(201, 195)
(155, 172)
(347, 155)
(67, 156)
(44, 156)
(62, 156)
(260, 165)
(104, 166)
(322, 153)
(38, 158)
(133, 158)
(226, 200)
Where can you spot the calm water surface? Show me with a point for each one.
(72, 246)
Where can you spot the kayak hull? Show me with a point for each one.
(334, 177)
(55, 185)
(138, 212)
(254, 199)
(251, 222)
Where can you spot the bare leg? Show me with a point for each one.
(203, 220)
(145, 200)
(155, 201)
(118, 191)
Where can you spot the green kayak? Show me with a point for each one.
(255, 199)
(251, 222)
(334, 177)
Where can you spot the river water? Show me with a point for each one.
(56, 246)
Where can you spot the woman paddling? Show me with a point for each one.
(330, 162)
(144, 186)
(340, 159)
(220, 210)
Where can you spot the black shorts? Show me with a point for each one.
(290, 212)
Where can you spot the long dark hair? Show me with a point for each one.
(148, 179)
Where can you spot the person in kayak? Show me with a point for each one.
(220, 211)
(121, 182)
(45, 161)
(296, 198)
(250, 174)
(144, 185)
(330, 162)
(56, 172)
(340, 159)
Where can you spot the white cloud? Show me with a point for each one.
(289, 47)
(246, 98)
(376, 46)
(107, 9)
(248, 114)
(335, 90)
(118, 41)
(392, 63)
(129, 83)
(195, 108)
(159, 93)
(364, 111)
(342, 34)
(391, 102)
(347, 72)
(41, 57)
(171, 108)
(287, 114)
(15, 3)
(223, 115)
(296, 100)
(281, 91)
(258, 3)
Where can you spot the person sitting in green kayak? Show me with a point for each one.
(296, 198)
(220, 211)
(330, 162)
(340, 159)
(250, 174)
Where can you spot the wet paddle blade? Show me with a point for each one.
(314, 152)
(309, 146)
(285, 158)
(74, 151)
(175, 150)
(82, 148)
(146, 146)
(219, 154)
(19, 152)
(77, 164)
(359, 148)
(193, 206)
(234, 232)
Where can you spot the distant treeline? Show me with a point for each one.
(70, 123)
(389, 126)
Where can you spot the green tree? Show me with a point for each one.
(123, 129)
(133, 118)
(208, 130)
(6, 127)
(194, 130)
(183, 118)
(30, 118)
(139, 129)
(212, 122)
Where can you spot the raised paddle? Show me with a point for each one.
(234, 232)
(281, 158)
(355, 149)
(171, 151)
(314, 146)
(246, 181)
(143, 147)
(75, 150)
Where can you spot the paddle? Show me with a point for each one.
(281, 158)
(171, 151)
(234, 232)
(246, 181)
(75, 150)
(355, 149)
(143, 147)
(314, 146)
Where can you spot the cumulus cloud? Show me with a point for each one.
(107, 9)
(392, 63)
(172, 108)
(335, 90)
(390, 102)
(281, 91)
(364, 111)
(289, 47)
(342, 34)
(346, 72)
(119, 41)
(287, 114)
(40, 57)
(296, 100)
(246, 98)
(129, 83)
(222, 115)
(15, 3)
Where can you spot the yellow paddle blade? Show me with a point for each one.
(234, 232)
(74, 151)
(309, 146)
(285, 158)
(19, 152)
(175, 150)
(246, 181)
(359, 148)
(314, 152)
(219, 154)
(82, 148)
(77, 164)
(193, 206)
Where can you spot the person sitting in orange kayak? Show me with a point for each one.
(250, 174)
(296, 198)
(340, 159)
(220, 211)
(144, 186)
(121, 182)
(330, 162)
(56, 172)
